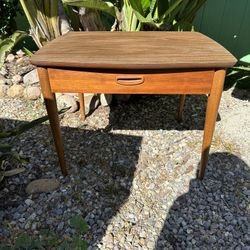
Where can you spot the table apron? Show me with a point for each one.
(176, 82)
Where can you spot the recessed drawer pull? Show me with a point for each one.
(129, 80)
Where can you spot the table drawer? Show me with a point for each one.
(171, 82)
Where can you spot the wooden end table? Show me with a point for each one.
(133, 63)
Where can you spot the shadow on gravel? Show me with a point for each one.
(101, 164)
(242, 94)
(240, 82)
(105, 168)
(101, 167)
(214, 214)
(155, 112)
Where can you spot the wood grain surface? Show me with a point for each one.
(174, 82)
(133, 50)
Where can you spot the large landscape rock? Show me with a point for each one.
(32, 92)
(42, 186)
(31, 77)
(10, 58)
(15, 91)
(20, 53)
(91, 102)
(16, 78)
(64, 101)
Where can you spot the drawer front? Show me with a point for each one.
(176, 82)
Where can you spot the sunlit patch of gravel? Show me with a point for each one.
(132, 177)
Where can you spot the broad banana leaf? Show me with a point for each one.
(171, 8)
(105, 6)
(43, 19)
(180, 13)
(140, 12)
(159, 14)
(129, 20)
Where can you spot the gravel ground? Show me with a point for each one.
(132, 175)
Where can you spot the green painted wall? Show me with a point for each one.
(227, 22)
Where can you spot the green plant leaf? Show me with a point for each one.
(13, 155)
(79, 244)
(137, 5)
(171, 9)
(105, 6)
(5, 134)
(5, 248)
(7, 44)
(64, 246)
(28, 52)
(23, 241)
(49, 239)
(79, 224)
(243, 68)
(26, 126)
(138, 10)
(43, 19)
(146, 4)
(5, 148)
(163, 5)
(183, 26)
(153, 9)
(245, 59)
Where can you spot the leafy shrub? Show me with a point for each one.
(137, 15)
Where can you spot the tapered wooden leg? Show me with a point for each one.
(211, 115)
(51, 107)
(82, 107)
(179, 115)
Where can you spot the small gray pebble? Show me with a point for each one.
(60, 226)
